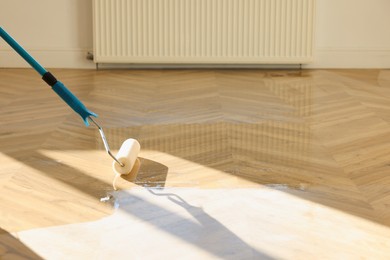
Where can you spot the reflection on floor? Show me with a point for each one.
(275, 162)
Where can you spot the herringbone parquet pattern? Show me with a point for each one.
(323, 136)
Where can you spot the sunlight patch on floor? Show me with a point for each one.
(210, 223)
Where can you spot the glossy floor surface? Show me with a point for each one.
(310, 149)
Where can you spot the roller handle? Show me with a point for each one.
(22, 52)
(73, 101)
(57, 86)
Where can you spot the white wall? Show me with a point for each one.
(350, 33)
(58, 33)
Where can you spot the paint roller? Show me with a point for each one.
(127, 155)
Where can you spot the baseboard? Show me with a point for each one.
(354, 58)
(372, 58)
(48, 58)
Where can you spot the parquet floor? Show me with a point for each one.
(320, 136)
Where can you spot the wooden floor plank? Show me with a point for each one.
(322, 136)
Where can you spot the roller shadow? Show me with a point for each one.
(211, 234)
(151, 174)
(12, 248)
(206, 233)
(145, 173)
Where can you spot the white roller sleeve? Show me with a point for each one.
(127, 155)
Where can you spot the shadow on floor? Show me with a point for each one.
(12, 248)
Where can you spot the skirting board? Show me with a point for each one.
(353, 58)
(48, 58)
(368, 58)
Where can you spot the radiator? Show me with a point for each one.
(203, 31)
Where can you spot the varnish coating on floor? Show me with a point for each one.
(318, 137)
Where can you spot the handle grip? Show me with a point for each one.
(57, 86)
(73, 101)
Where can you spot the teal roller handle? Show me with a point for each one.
(57, 86)
(22, 52)
(73, 101)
